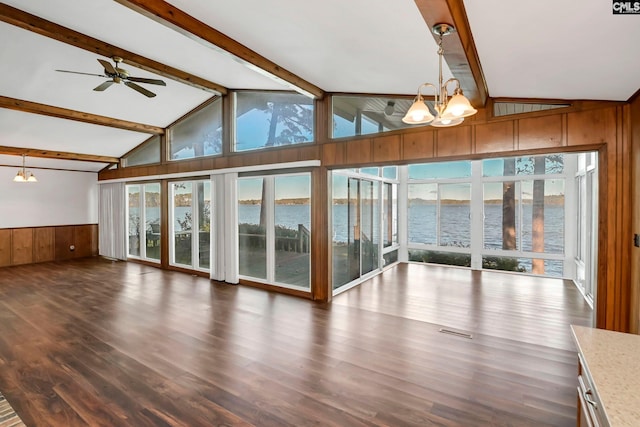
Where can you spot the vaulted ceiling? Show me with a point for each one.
(573, 49)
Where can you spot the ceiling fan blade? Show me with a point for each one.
(103, 86)
(107, 66)
(149, 81)
(140, 89)
(78, 72)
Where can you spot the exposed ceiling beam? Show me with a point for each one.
(60, 155)
(189, 26)
(459, 48)
(49, 29)
(64, 113)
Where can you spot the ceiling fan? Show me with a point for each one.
(120, 75)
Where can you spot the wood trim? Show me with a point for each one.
(60, 155)
(52, 30)
(279, 289)
(170, 16)
(321, 265)
(79, 116)
(459, 47)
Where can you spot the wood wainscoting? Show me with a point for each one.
(30, 245)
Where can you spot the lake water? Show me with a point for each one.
(455, 225)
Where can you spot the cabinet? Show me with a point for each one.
(589, 406)
(608, 380)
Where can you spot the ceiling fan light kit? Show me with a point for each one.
(449, 111)
(23, 174)
(120, 75)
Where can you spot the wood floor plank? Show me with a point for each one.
(101, 343)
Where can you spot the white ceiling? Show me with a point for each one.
(546, 49)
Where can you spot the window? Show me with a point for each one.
(363, 115)
(439, 212)
(199, 134)
(505, 213)
(191, 224)
(524, 214)
(145, 154)
(271, 119)
(274, 229)
(143, 221)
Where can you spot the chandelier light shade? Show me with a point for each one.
(449, 111)
(23, 174)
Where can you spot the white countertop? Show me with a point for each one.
(613, 362)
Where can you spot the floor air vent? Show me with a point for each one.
(456, 333)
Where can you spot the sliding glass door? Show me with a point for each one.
(274, 229)
(190, 225)
(364, 220)
(143, 221)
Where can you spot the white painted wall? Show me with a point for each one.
(58, 198)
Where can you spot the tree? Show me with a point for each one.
(538, 165)
(509, 206)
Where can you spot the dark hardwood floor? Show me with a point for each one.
(101, 343)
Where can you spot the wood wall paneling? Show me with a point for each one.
(64, 240)
(634, 113)
(334, 153)
(418, 145)
(494, 137)
(454, 141)
(540, 132)
(5, 247)
(359, 151)
(321, 288)
(83, 237)
(21, 246)
(592, 127)
(387, 148)
(44, 244)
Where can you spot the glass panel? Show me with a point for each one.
(204, 223)
(293, 230)
(440, 257)
(533, 165)
(368, 231)
(183, 222)
(370, 171)
(422, 213)
(455, 215)
(152, 220)
(362, 115)
(501, 215)
(390, 257)
(440, 170)
(353, 224)
(252, 242)
(543, 217)
(268, 119)
(390, 172)
(199, 134)
(341, 234)
(387, 215)
(520, 265)
(135, 213)
(147, 153)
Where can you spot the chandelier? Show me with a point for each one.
(449, 111)
(23, 174)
